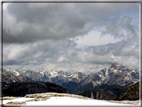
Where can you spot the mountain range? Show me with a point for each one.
(53, 76)
(115, 77)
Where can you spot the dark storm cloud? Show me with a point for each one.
(32, 22)
(9, 38)
(53, 22)
(10, 62)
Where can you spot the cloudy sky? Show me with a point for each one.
(85, 37)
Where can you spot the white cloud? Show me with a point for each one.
(70, 59)
(73, 37)
(94, 38)
(62, 59)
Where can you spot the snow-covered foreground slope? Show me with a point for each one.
(61, 99)
(17, 100)
(69, 101)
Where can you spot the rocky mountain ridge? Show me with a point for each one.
(9, 78)
(115, 75)
(54, 76)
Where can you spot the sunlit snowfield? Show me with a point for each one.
(59, 99)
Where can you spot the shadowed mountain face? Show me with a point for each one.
(59, 79)
(107, 92)
(71, 86)
(23, 88)
(132, 93)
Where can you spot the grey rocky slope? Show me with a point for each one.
(36, 76)
(115, 75)
(8, 77)
(53, 76)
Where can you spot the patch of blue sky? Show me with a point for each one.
(132, 14)
(63, 49)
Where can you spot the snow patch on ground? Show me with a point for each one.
(61, 101)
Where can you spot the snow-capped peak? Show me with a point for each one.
(54, 73)
(12, 71)
(16, 72)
